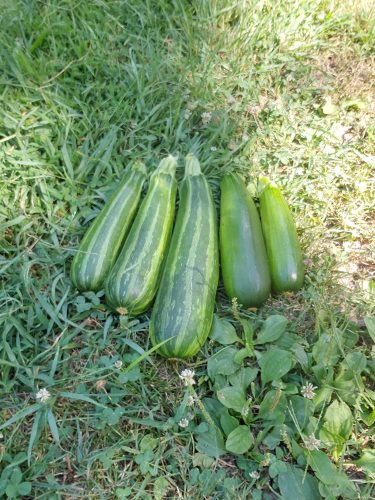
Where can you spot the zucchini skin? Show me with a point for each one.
(103, 239)
(283, 247)
(134, 279)
(244, 263)
(184, 305)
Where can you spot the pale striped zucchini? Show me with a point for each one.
(101, 243)
(133, 280)
(184, 306)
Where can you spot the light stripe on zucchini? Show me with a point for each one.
(102, 241)
(183, 310)
(133, 281)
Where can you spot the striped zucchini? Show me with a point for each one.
(280, 235)
(134, 279)
(102, 241)
(184, 306)
(243, 254)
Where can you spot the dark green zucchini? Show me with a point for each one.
(243, 253)
(280, 235)
(134, 279)
(102, 242)
(184, 305)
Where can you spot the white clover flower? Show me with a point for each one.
(231, 100)
(254, 475)
(43, 395)
(307, 391)
(191, 401)
(118, 364)
(184, 422)
(187, 376)
(213, 148)
(187, 114)
(206, 117)
(312, 443)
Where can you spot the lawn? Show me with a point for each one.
(284, 89)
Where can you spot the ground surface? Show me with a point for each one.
(260, 87)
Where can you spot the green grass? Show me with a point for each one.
(86, 87)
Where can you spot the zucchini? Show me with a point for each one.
(280, 235)
(243, 253)
(102, 241)
(183, 311)
(133, 280)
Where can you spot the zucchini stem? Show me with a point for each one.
(192, 166)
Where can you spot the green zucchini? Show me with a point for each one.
(243, 254)
(183, 311)
(280, 235)
(101, 243)
(134, 279)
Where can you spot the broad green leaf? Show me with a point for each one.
(300, 355)
(336, 481)
(277, 467)
(243, 377)
(222, 363)
(322, 397)
(12, 491)
(214, 409)
(275, 364)
(337, 427)
(211, 443)
(338, 419)
(326, 351)
(272, 329)
(24, 488)
(302, 409)
(274, 407)
(222, 331)
(287, 341)
(228, 423)
(239, 440)
(245, 352)
(295, 484)
(348, 385)
(232, 397)
(148, 442)
(347, 337)
(200, 460)
(355, 361)
(367, 460)
(275, 436)
(370, 325)
(16, 476)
